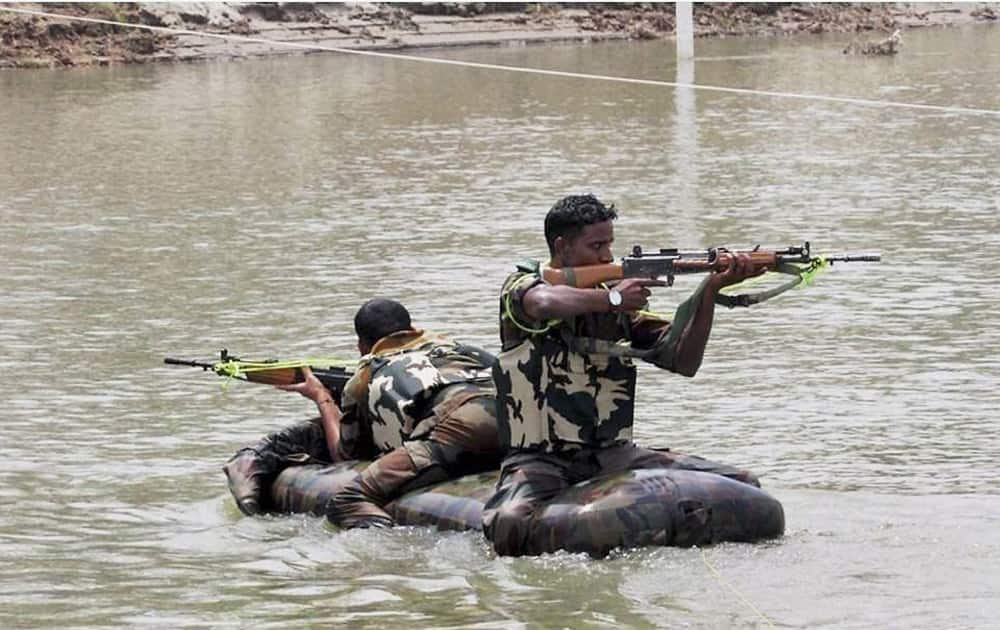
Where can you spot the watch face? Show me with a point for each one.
(615, 297)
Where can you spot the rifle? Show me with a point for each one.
(668, 263)
(334, 374)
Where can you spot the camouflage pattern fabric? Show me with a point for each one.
(656, 507)
(633, 508)
(399, 389)
(308, 489)
(426, 403)
(451, 505)
(554, 397)
(253, 468)
(522, 517)
(463, 441)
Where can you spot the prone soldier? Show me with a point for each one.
(424, 405)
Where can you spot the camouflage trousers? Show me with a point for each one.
(253, 468)
(529, 480)
(464, 441)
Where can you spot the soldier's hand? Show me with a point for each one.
(310, 387)
(740, 268)
(635, 292)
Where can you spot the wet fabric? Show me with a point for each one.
(530, 480)
(637, 507)
(463, 441)
(253, 468)
(423, 403)
(430, 407)
(633, 508)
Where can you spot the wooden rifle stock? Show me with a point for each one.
(583, 277)
(666, 263)
(594, 275)
(276, 376)
(334, 378)
(760, 260)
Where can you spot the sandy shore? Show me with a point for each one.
(34, 41)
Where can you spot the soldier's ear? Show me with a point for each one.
(559, 247)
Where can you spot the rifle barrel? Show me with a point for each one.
(204, 366)
(855, 258)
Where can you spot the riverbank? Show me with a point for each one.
(258, 29)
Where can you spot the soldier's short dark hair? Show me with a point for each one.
(380, 317)
(571, 214)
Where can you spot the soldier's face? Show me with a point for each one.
(591, 247)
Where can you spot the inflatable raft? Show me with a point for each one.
(653, 507)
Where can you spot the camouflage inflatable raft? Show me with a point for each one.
(656, 507)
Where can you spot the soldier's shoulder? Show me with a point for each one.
(528, 265)
(432, 339)
(524, 273)
(356, 388)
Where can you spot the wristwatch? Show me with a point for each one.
(614, 298)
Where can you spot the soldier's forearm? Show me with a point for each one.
(691, 349)
(330, 416)
(563, 302)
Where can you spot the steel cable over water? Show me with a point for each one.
(538, 71)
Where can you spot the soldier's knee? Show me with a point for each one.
(506, 538)
(339, 503)
(351, 508)
(348, 500)
(506, 526)
(506, 515)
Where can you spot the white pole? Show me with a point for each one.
(685, 154)
(684, 31)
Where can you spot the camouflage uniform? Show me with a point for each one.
(252, 470)
(429, 406)
(565, 402)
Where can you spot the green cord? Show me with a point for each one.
(807, 275)
(236, 369)
(812, 270)
(509, 313)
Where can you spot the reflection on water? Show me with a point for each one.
(176, 210)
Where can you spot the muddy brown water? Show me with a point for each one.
(179, 209)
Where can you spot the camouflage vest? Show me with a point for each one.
(411, 374)
(557, 385)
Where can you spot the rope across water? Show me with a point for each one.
(503, 68)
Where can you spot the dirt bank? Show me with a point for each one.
(36, 41)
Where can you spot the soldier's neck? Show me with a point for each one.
(398, 340)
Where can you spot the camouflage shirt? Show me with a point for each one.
(552, 396)
(398, 387)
